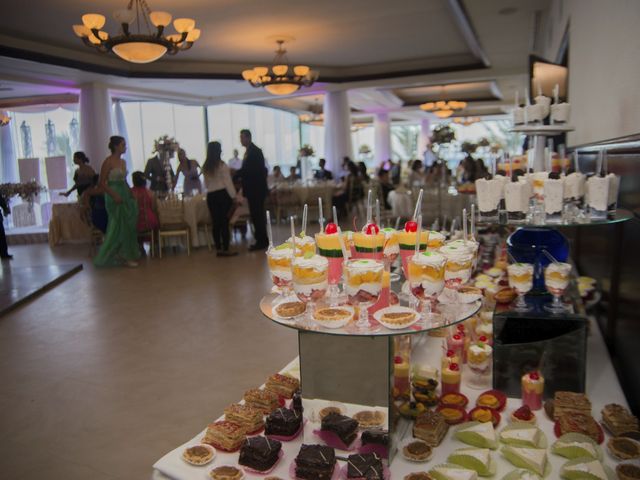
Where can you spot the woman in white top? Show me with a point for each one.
(220, 195)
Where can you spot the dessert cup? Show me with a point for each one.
(304, 244)
(391, 250)
(426, 280)
(407, 244)
(472, 245)
(534, 113)
(574, 186)
(532, 390)
(537, 183)
(545, 103)
(435, 240)
(614, 186)
(363, 285)
(368, 246)
(457, 270)
(279, 260)
(450, 379)
(480, 362)
(310, 280)
(329, 247)
(383, 300)
(553, 199)
(521, 280)
(556, 279)
(517, 195)
(518, 116)
(489, 193)
(598, 198)
(560, 112)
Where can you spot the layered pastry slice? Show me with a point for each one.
(430, 427)
(346, 428)
(579, 423)
(245, 415)
(366, 466)
(618, 419)
(263, 400)
(283, 385)
(534, 459)
(583, 469)
(570, 402)
(259, 453)
(283, 422)
(315, 462)
(224, 435)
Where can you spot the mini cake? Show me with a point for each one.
(284, 422)
(225, 435)
(315, 462)
(263, 400)
(283, 385)
(249, 417)
(570, 402)
(345, 428)
(259, 453)
(430, 427)
(369, 418)
(618, 419)
(226, 472)
(478, 434)
(366, 466)
(375, 437)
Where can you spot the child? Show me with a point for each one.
(147, 218)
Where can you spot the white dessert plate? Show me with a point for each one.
(396, 309)
(336, 323)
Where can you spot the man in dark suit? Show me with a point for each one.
(4, 252)
(254, 188)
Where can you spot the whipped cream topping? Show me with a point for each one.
(317, 262)
(281, 252)
(456, 252)
(574, 184)
(560, 112)
(520, 269)
(429, 258)
(364, 264)
(306, 240)
(436, 236)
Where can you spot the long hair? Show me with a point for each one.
(214, 159)
(81, 156)
(114, 141)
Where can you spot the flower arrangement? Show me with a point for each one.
(442, 134)
(306, 151)
(468, 147)
(364, 149)
(165, 144)
(27, 191)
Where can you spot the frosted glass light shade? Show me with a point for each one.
(124, 16)
(93, 20)
(261, 71)
(193, 35)
(184, 24)
(248, 75)
(139, 52)
(160, 19)
(443, 113)
(281, 88)
(280, 69)
(81, 31)
(301, 70)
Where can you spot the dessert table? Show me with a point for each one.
(602, 388)
(68, 224)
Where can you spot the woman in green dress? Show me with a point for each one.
(120, 245)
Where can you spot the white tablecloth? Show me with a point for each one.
(196, 211)
(68, 224)
(602, 388)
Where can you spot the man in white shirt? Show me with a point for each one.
(235, 163)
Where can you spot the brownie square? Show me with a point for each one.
(259, 453)
(375, 437)
(366, 465)
(283, 422)
(346, 428)
(315, 462)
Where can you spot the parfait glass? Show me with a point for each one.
(330, 248)
(426, 280)
(363, 284)
(279, 260)
(556, 279)
(391, 250)
(310, 280)
(459, 264)
(368, 245)
(521, 280)
(407, 245)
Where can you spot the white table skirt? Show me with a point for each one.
(603, 387)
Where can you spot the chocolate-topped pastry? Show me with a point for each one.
(375, 437)
(367, 466)
(296, 403)
(259, 453)
(345, 428)
(315, 462)
(283, 422)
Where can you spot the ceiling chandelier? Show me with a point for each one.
(466, 121)
(144, 45)
(281, 78)
(4, 118)
(443, 109)
(314, 115)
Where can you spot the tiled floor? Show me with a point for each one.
(113, 368)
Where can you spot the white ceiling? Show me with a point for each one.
(343, 39)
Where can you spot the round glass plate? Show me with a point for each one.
(618, 217)
(447, 315)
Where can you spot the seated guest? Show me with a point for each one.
(147, 218)
(416, 176)
(293, 176)
(83, 176)
(385, 186)
(322, 173)
(93, 199)
(275, 178)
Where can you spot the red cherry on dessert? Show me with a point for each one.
(331, 228)
(534, 376)
(397, 359)
(372, 229)
(411, 226)
(457, 336)
(454, 367)
(450, 353)
(483, 339)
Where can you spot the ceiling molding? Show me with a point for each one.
(61, 99)
(462, 20)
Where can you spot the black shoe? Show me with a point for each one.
(256, 247)
(6, 257)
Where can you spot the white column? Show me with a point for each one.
(337, 130)
(121, 129)
(425, 134)
(382, 138)
(8, 153)
(95, 122)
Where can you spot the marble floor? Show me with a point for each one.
(105, 373)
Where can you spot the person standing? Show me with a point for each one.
(235, 163)
(220, 197)
(189, 168)
(254, 186)
(4, 251)
(120, 242)
(83, 176)
(154, 172)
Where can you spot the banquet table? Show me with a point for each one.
(68, 225)
(602, 388)
(286, 195)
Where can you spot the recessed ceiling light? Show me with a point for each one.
(507, 11)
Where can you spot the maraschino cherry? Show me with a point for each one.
(331, 228)
(534, 376)
(372, 229)
(454, 367)
(411, 226)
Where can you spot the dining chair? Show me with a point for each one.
(172, 223)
